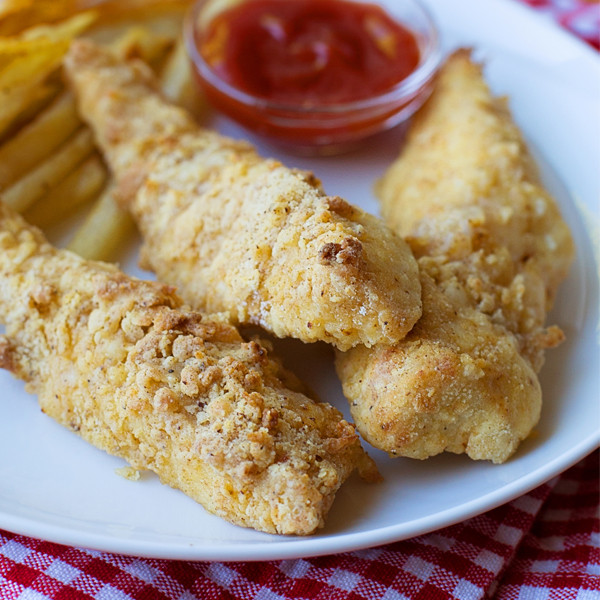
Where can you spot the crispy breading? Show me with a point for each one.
(130, 369)
(492, 249)
(237, 233)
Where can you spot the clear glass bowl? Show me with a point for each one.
(327, 128)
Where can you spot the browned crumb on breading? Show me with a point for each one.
(240, 234)
(349, 251)
(130, 369)
(7, 352)
(492, 249)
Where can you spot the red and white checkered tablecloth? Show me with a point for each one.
(581, 17)
(541, 546)
(544, 545)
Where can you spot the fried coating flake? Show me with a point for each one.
(492, 249)
(237, 233)
(125, 365)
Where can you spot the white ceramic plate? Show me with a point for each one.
(57, 487)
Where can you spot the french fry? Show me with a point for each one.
(36, 141)
(22, 194)
(57, 122)
(46, 94)
(46, 169)
(20, 82)
(17, 15)
(154, 12)
(16, 100)
(140, 42)
(23, 106)
(65, 30)
(167, 27)
(41, 38)
(16, 48)
(32, 65)
(30, 60)
(81, 186)
(107, 226)
(105, 229)
(38, 48)
(177, 81)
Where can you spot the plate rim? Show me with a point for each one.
(292, 548)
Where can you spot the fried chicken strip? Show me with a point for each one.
(237, 233)
(125, 365)
(492, 249)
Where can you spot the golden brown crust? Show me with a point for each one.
(456, 383)
(126, 366)
(466, 190)
(492, 249)
(467, 185)
(242, 234)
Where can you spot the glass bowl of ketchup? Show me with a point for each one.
(316, 76)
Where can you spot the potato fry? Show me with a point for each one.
(46, 168)
(22, 105)
(29, 62)
(167, 26)
(22, 55)
(81, 186)
(37, 140)
(65, 30)
(14, 48)
(17, 15)
(153, 11)
(58, 121)
(107, 226)
(105, 229)
(22, 194)
(20, 83)
(139, 42)
(35, 65)
(46, 94)
(177, 81)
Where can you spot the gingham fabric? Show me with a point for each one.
(544, 545)
(581, 17)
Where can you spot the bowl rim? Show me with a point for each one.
(431, 56)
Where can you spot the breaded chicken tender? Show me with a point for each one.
(237, 233)
(125, 365)
(492, 249)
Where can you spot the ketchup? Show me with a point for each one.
(312, 74)
(309, 52)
